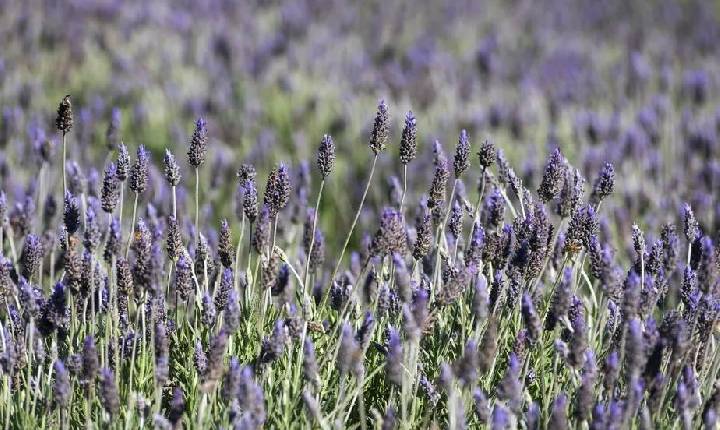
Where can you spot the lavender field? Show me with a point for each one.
(359, 215)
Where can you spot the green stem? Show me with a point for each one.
(132, 226)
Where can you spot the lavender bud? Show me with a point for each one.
(231, 316)
(199, 358)
(139, 171)
(183, 277)
(381, 129)
(225, 247)
(571, 194)
(110, 193)
(310, 367)
(462, 154)
(214, 367)
(350, 353)
(455, 221)
(691, 227)
(423, 228)
(326, 155)
(495, 209)
(274, 347)
(560, 303)
(553, 177)
(439, 182)
(172, 170)
(488, 345)
(531, 319)
(64, 120)
(198, 144)
(92, 234)
(500, 417)
(482, 406)
(208, 315)
(109, 392)
(123, 163)
(394, 358)
(510, 388)
(31, 256)
(61, 386)
(487, 154)
(177, 407)
(277, 191)
(390, 237)
(389, 421)
(408, 141)
(173, 244)
(71, 213)
(558, 415)
(604, 184)
(90, 362)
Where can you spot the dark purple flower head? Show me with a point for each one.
(690, 224)
(226, 286)
(198, 144)
(438, 186)
(494, 209)
(310, 367)
(277, 191)
(273, 347)
(261, 235)
(139, 171)
(390, 237)
(225, 246)
(571, 194)
(500, 417)
(64, 120)
(162, 354)
(123, 163)
(326, 155)
(61, 386)
(531, 319)
(553, 176)
(71, 213)
(109, 392)
(558, 414)
(394, 358)
(177, 406)
(172, 170)
(32, 255)
(604, 184)
(560, 303)
(350, 353)
(408, 141)
(110, 192)
(487, 154)
(90, 362)
(183, 276)
(510, 388)
(381, 129)
(462, 154)
(208, 315)
(423, 230)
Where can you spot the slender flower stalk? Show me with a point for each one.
(64, 123)
(196, 156)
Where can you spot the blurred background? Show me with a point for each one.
(632, 83)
